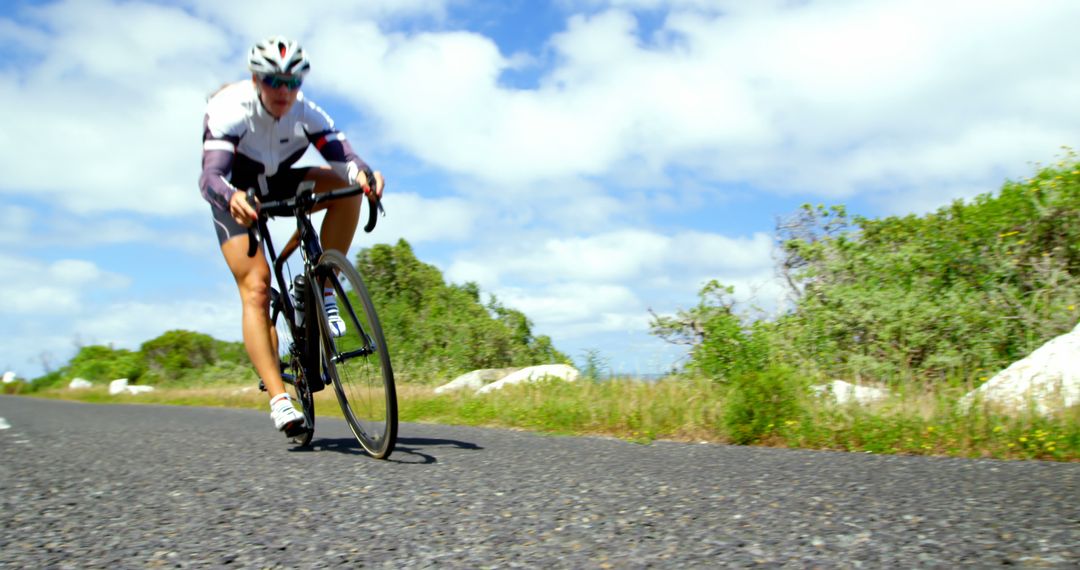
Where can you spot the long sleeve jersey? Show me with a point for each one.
(242, 140)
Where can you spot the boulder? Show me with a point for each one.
(121, 387)
(532, 374)
(846, 392)
(9, 377)
(79, 384)
(1048, 379)
(139, 389)
(118, 386)
(475, 380)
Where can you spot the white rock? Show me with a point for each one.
(475, 380)
(79, 384)
(9, 377)
(1048, 378)
(846, 392)
(532, 374)
(118, 386)
(139, 389)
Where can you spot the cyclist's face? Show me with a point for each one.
(278, 100)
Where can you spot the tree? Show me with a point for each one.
(442, 328)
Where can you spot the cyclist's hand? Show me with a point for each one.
(379, 183)
(241, 211)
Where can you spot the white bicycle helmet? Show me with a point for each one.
(278, 54)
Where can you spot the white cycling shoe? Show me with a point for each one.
(286, 417)
(333, 318)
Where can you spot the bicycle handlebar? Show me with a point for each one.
(305, 200)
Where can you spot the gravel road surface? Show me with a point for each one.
(91, 486)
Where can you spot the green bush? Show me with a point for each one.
(722, 345)
(179, 354)
(958, 293)
(963, 291)
(103, 364)
(440, 329)
(763, 403)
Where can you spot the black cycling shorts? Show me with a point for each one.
(280, 186)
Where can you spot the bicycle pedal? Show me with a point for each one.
(295, 429)
(262, 387)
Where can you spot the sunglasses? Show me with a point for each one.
(293, 82)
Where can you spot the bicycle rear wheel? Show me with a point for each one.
(357, 361)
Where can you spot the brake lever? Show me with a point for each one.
(372, 212)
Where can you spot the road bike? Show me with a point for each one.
(313, 353)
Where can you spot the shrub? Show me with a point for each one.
(760, 403)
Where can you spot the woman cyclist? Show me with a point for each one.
(253, 133)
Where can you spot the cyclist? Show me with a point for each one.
(253, 133)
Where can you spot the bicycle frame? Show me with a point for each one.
(300, 207)
(310, 250)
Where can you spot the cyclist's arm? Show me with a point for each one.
(217, 158)
(332, 144)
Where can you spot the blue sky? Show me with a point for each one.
(583, 160)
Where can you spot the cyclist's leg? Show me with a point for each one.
(342, 216)
(252, 275)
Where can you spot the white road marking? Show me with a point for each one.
(4, 424)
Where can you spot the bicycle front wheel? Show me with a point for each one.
(293, 371)
(356, 357)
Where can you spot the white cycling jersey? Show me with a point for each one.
(243, 144)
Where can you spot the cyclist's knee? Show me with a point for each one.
(255, 290)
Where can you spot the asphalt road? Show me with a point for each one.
(87, 486)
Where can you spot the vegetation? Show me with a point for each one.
(951, 296)
(938, 302)
(435, 329)
(961, 292)
(176, 358)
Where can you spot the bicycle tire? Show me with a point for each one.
(358, 362)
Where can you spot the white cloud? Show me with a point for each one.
(573, 288)
(832, 97)
(417, 219)
(254, 20)
(111, 113)
(15, 224)
(33, 287)
(54, 308)
(619, 257)
(116, 93)
(127, 324)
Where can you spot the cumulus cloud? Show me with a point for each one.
(417, 219)
(608, 282)
(111, 95)
(109, 115)
(621, 256)
(130, 323)
(833, 98)
(60, 287)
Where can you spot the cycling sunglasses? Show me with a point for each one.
(293, 82)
